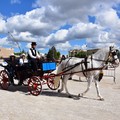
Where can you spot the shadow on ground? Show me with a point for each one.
(45, 92)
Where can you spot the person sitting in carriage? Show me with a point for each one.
(12, 64)
(22, 60)
(34, 57)
(62, 58)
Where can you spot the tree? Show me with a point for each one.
(53, 54)
(81, 54)
(19, 53)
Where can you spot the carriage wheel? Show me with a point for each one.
(51, 83)
(4, 80)
(34, 86)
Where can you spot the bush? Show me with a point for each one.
(81, 54)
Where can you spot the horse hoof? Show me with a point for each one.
(80, 95)
(69, 96)
(59, 91)
(101, 99)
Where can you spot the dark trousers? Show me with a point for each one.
(34, 64)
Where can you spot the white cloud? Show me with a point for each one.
(30, 22)
(41, 23)
(84, 47)
(74, 11)
(63, 46)
(2, 25)
(4, 42)
(15, 1)
(84, 30)
(79, 31)
(23, 37)
(67, 46)
(109, 19)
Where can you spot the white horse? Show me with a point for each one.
(91, 70)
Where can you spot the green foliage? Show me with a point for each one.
(81, 54)
(53, 54)
(19, 53)
(58, 54)
(1, 57)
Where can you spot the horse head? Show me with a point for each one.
(113, 58)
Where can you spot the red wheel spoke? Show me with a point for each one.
(51, 84)
(35, 86)
(4, 80)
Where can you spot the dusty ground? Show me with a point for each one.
(17, 104)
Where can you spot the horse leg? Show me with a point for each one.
(89, 80)
(62, 86)
(98, 91)
(66, 89)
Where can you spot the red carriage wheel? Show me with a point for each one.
(4, 80)
(35, 86)
(51, 83)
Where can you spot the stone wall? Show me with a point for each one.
(6, 52)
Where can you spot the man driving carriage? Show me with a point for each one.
(34, 57)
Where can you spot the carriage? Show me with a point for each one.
(89, 67)
(27, 77)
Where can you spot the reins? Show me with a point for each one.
(84, 69)
(66, 69)
(64, 72)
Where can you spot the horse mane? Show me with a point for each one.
(101, 54)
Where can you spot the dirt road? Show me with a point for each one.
(17, 104)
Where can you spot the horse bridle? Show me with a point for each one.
(112, 54)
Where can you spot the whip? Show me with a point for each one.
(15, 41)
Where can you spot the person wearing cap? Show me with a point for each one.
(62, 58)
(21, 69)
(12, 61)
(22, 59)
(33, 56)
(12, 66)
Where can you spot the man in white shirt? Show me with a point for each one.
(33, 56)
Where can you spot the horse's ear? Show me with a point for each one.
(111, 48)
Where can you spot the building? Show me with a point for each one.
(6, 52)
(74, 52)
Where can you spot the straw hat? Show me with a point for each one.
(23, 54)
(12, 55)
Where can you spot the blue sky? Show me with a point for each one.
(67, 25)
(8, 8)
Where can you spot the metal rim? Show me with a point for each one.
(50, 83)
(35, 86)
(4, 80)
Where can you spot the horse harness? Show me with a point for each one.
(84, 64)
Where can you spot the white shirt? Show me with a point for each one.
(30, 54)
(21, 61)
